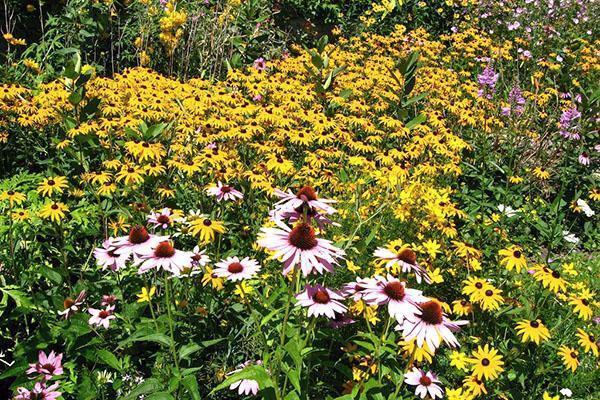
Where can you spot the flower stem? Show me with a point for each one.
(173, 350)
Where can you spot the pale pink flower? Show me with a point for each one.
(107, 256)
(72, 306)
(235, 269)
(260, 64)
(39, 392)
(199, 259)
(245, 386)
(584, 159)
(101, 317)
(161, 219)
(108, 299)
(426, 383)
(224, 192)
(306, 196)
(139, 241)
(430, 325)
(164, 256)
(321, 301)
(300, 246)
(47, 365)
(401, 301)
(356, 289)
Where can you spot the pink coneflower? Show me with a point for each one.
(321, 301)
(199, 259)
(429, 324)
(47, 365)
(235, 269)
(164, 256)
(161, 219)
(406, 259)
(245, 386)
(72, 306)
(300, 246)
(401, 301)
(356, 289)
(108, 299)
(426, 383)
(101, 317)
(224, 192)
(305, 196)
(139, 241)
(107, 256)
(39, 392)
(260, 64)
(584, 159)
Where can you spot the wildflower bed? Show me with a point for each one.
(150, 252)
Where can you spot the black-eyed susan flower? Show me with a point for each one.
(551, 279)
(486, 363)
(581, 307)
(569, 357)
(473, 386)
(587, 341)
(491, 299)
(475, 288)
(53, 211)
(462, 307)
(534, 331)
(51, 185)
(210, 278)
(513, 257)
(205, 228)
(13, 197)
(20, 215)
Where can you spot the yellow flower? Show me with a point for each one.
(243, 289)
(459, 360)
(213, 279)
(20, 215)
(515, 179)
(351, 266)
(541, 173)
(582, 308)
(547, 396)
(587, 341)
(51, 185)
(532, 331)
(569, 357)
(146, 295)
(513, 258)
(206, 229)
(53, 211)
(13, 197)
(487, 363)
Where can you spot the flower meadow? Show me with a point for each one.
(391, 210)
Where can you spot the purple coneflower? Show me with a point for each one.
(47, 365)
(321, 301)
(426, 383)
(107, 256)
(245, 386)
(401, 301)
(300, 246)
(72, 306)
(235, 269)
(108, 299)
(306, 196)
(199, 259)
(224, 192)
(161, 219)
(584, 159)
(260, 64)
(429, 324)
(164, 256)
(101, 317)
(356, 289)
(39, 392)
(139, 241)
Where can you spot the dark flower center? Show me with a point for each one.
(479, 285)
(54, 206)
(164, 250)
(207, 222)
(394, 290)
(489, 292)
(425, 380)
(555, 274)
(68, 302)
(585, 302)
(464, 303)
(225, 189)
(235, 268)
(103, 314)
(534, 324)
(431, 312)
(303, 237)
(573, 355)
(49, 367)
(321, 296)
(308, 193)
(163, 219)
(10, 192)
(138, 235)
(591, 338)
(485, 362)
(51, 182)
(408, 256)
(517, 254)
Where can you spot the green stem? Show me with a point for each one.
(174, 353)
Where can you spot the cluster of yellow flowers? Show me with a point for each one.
(171, 30)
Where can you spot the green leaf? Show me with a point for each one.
(255, 372)
(155, 337)
(148, 386)
(419, 119)
(160, 396)
(191, 384)
(51, 274)
(109, 359)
